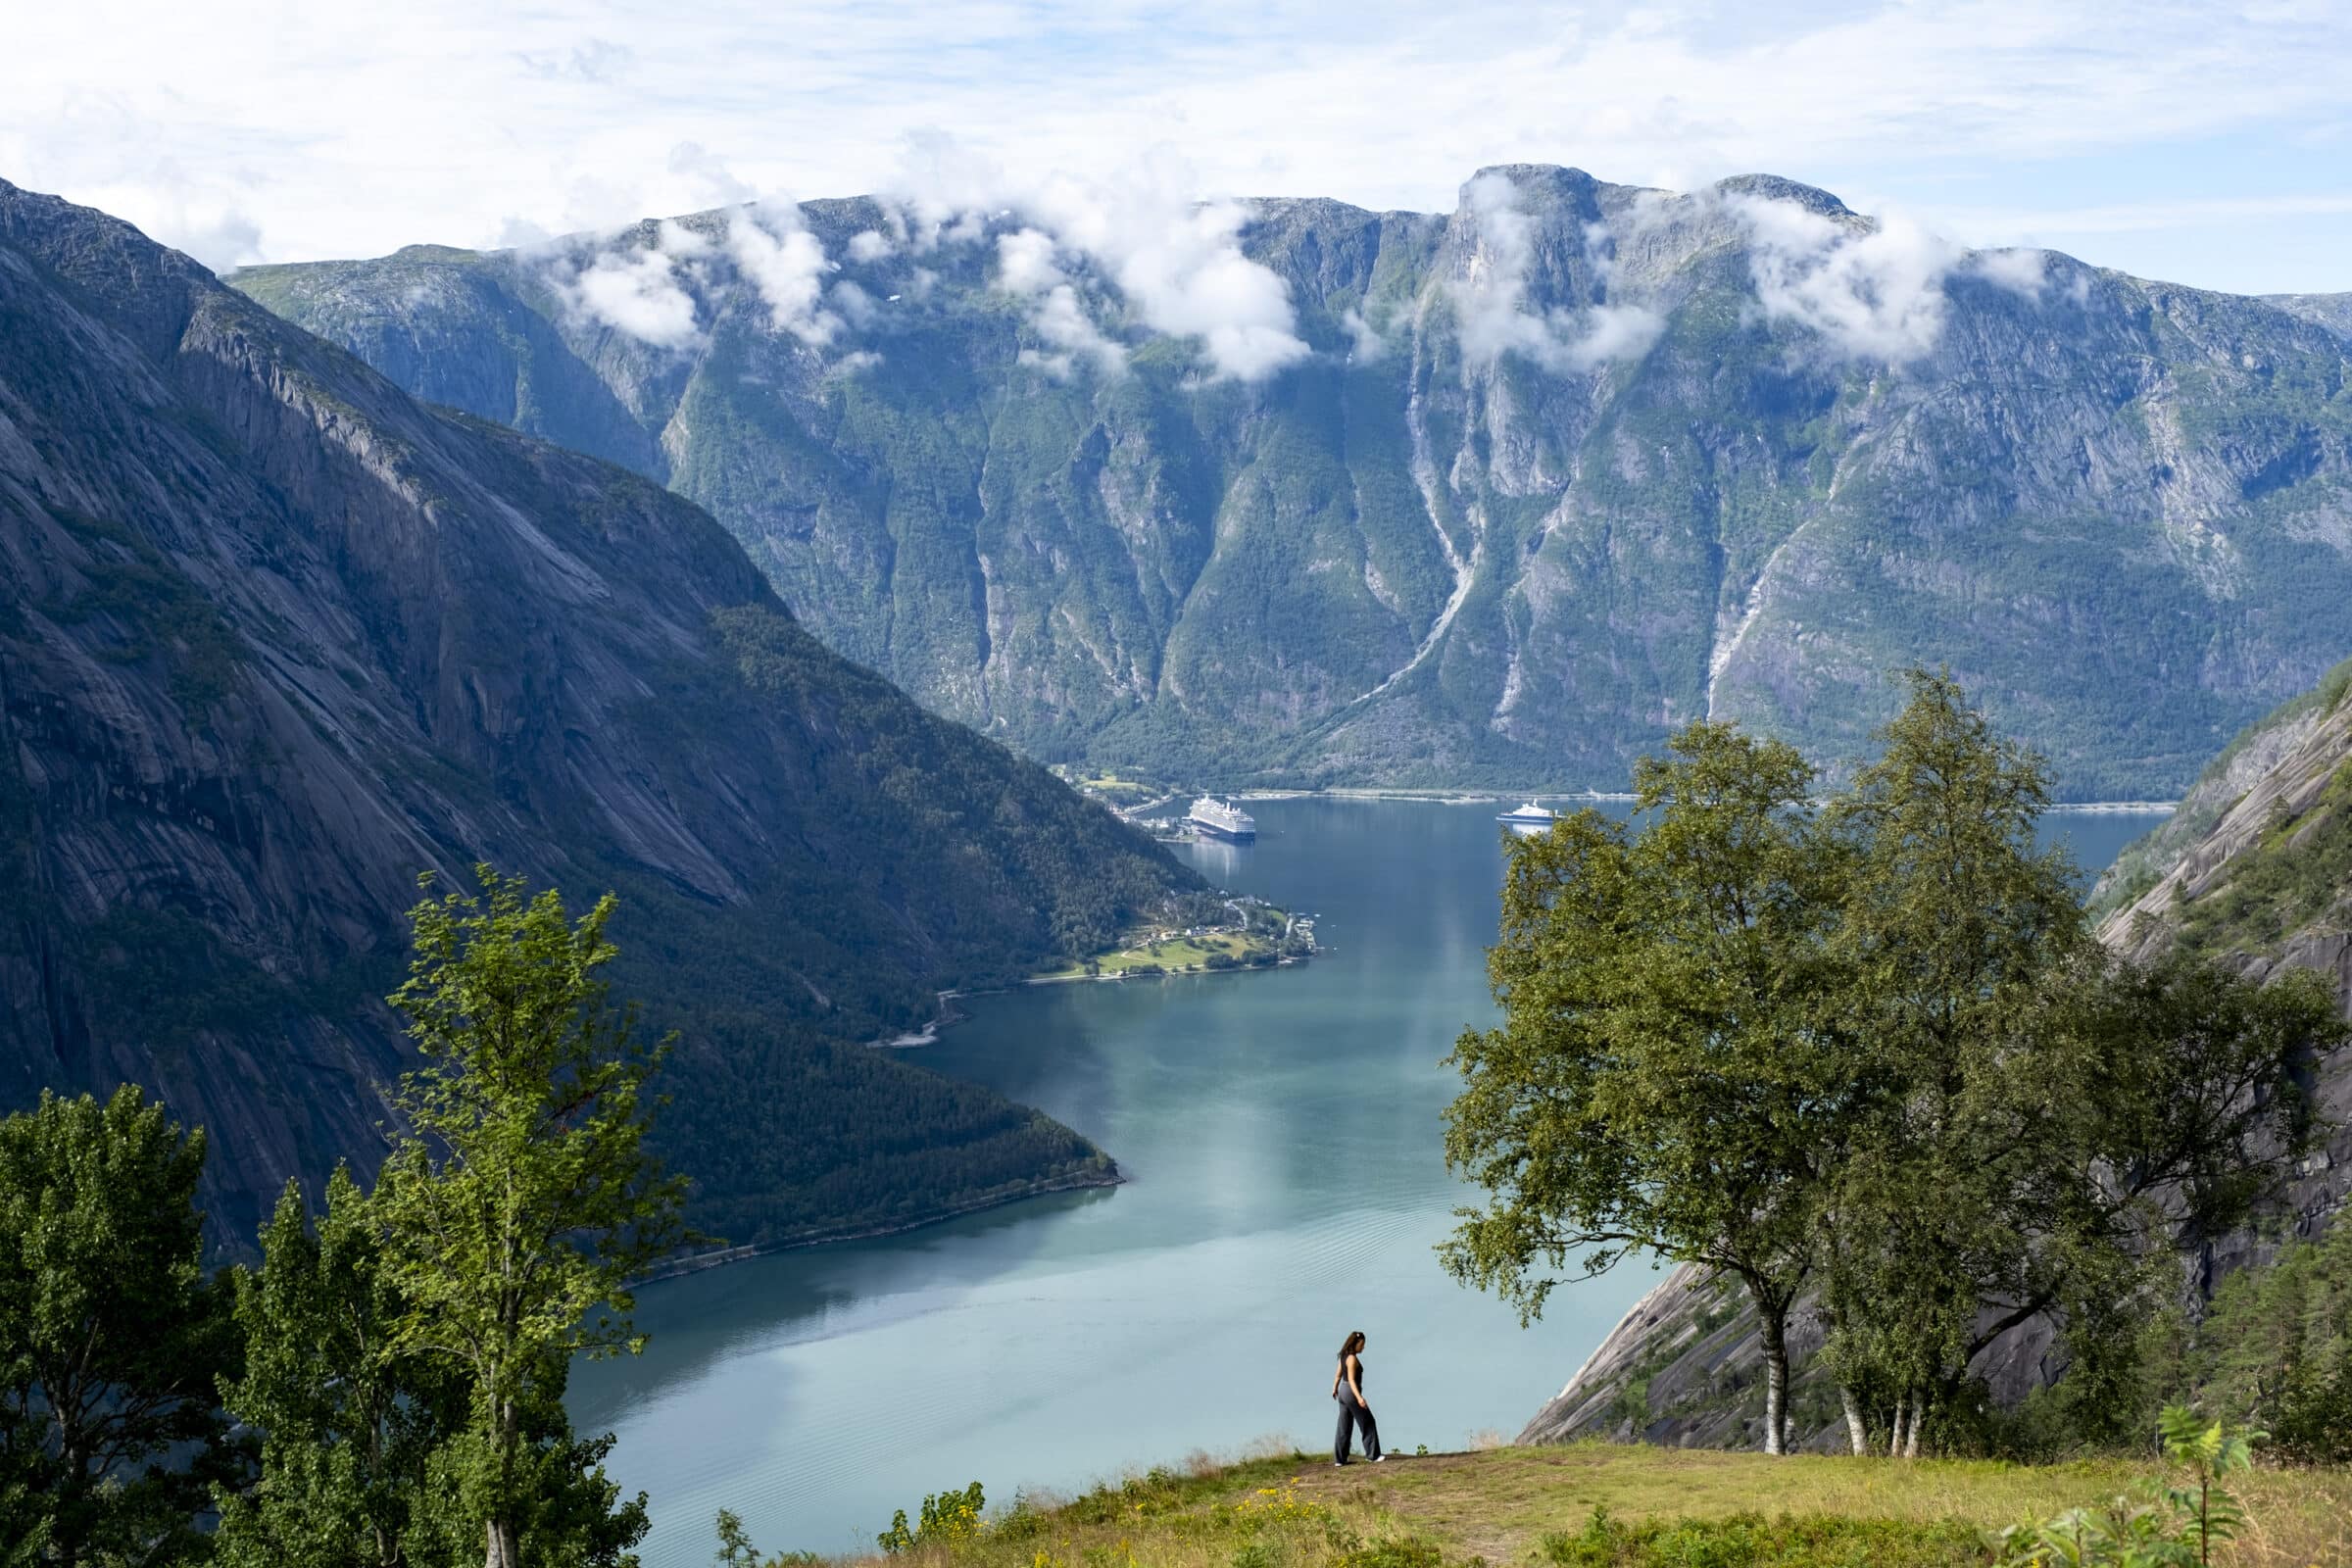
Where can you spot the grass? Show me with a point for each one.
(1176, 954)
(1658, 1506)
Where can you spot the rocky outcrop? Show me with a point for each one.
(275, 639)
(1563, 469)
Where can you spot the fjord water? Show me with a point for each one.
(1280, 1135)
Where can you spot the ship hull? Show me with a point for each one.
(1246, 835)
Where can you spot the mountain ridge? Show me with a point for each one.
(1496, 494)
(275, 639)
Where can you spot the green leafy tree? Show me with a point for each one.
(2276, 1349)
(110, 1336)
(2048, 1124)
(352, 1422)
(522, 1199)
(1674, 1073)
(1953, 924)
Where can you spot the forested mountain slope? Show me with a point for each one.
(1292, 490)
(274, 639)
(2266, 884)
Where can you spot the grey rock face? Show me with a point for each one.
(1566, 468)
(275, 639)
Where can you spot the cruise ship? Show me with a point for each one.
(1222, 819)
(1528, 818)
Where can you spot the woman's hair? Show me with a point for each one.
(1354, 1343)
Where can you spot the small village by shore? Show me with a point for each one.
(1205, 933)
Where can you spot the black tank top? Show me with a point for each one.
(1359, 1374)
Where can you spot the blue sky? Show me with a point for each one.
(2209, 144)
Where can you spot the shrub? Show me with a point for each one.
(948, 1517)
(2155, 1525)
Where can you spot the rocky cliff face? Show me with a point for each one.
(2256, 867)
(275, 639)
(1499, 494)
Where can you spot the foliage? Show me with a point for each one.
(2160, 1523)
(2276, 1349)
(2292, 874)
(350, 1422)
(522, 1199)
(1867, 1049)
(1754, 1540)
(735, 1548)
(947, 1518)
(1671, 1073)
(110, 1336)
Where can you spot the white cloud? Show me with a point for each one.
(1491, 298)
(1025, 263)
(704, 178)
(869, 245)
(787, 265)
(1027, 266)
(1873, 292)
(222, 241)
(636, 292)
(2021, 271)
(442, 129)
(1366, 344)
(1176, 260)
(1061, 320)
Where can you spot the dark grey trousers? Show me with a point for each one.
(1355, 1416)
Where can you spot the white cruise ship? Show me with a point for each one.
(1222, 819)
(1528, 818)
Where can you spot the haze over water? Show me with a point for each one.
(1280, 1132)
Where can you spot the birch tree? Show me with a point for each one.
(1674, 1076)
(2047, 1125)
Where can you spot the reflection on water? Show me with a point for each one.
(1280, 1130)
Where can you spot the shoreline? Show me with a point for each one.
(1475, 795)
(721, 1257)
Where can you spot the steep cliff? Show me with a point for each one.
(275, 639)
(1494, 495)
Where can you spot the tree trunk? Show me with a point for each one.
(1776, 1382)
(1919, 1411)
(499, 1549)
(1894, 1438)
(1856, 1432)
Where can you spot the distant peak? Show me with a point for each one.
(1539, 177)
(1774, 188)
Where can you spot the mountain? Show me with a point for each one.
(2255, 868)
(275, 639)
(1293, 491)
(2262, 880)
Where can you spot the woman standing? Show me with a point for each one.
(1347, 1387)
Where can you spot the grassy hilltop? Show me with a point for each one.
(1693, 1508)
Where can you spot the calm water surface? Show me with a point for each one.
(1280, 1132)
